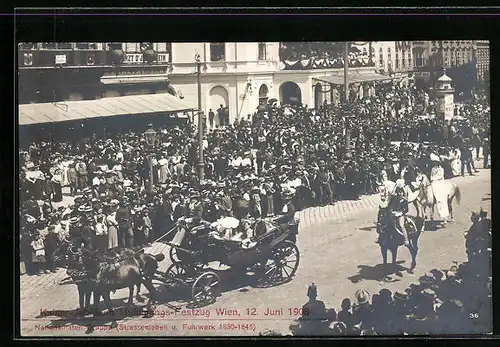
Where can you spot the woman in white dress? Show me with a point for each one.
(455, 164)
(112, 225)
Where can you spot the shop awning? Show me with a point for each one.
(353, 78)
(105, 107)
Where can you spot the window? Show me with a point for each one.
(389, 55)
(85, 45)
(115, 45)
(217, 51)
(131, 47)
(397, 61)
(262, 51)
(57, 45)
(381, 57)
(162, 47)
(418, 59)
(27, 46)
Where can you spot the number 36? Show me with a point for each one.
(474, 315)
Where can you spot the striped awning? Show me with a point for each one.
(353, 78)
(106, 107)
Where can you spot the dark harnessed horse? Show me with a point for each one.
(391, 238)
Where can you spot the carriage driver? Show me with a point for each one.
(398, 205)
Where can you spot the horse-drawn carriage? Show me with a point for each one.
(272, 257)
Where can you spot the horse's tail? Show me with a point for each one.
(458, 194)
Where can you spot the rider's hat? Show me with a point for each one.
(362, 297)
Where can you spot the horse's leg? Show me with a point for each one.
(413, 252)
(130, 295)
(81, 296)
(87, 294)
(415, 203)
(394, 252)
(450, 207)
(148, 283)
(383, 250)
(138, 295)
(97, 298)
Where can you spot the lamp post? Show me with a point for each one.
(201, 165)
(150, 135)
(346, 89)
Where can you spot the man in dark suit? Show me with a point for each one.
(125, 231)
(211, 116)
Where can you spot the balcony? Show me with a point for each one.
(87, 58)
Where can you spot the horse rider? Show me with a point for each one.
(398, 205)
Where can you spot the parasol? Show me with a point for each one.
(229, 222)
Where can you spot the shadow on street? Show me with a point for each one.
(379, 272)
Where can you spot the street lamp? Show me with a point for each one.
(150, 136)
(346, 89)
(201, 165)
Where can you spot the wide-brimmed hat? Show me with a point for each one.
(362, 297)
(85, 208)
(400, 296)
(74, 220)
(429, 294)
(30, 219)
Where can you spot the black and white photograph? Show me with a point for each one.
(205, 189)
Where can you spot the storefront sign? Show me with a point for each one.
(134, 58)
(138, 58)
(163, 58)
(422, 74)
(136, 72)
(61, 59)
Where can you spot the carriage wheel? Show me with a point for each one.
(178, 270)
(176, 255)
(206, 289)
(281, 265)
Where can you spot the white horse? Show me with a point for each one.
(436, 192)
(425, 198)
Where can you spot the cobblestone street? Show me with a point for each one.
(337, 252)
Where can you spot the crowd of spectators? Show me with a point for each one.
(452, 301)
(310, 55)
(250, 166)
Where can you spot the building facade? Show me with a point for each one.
(50, 72)
(239, 76)
(394, 57)
(483, 60)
